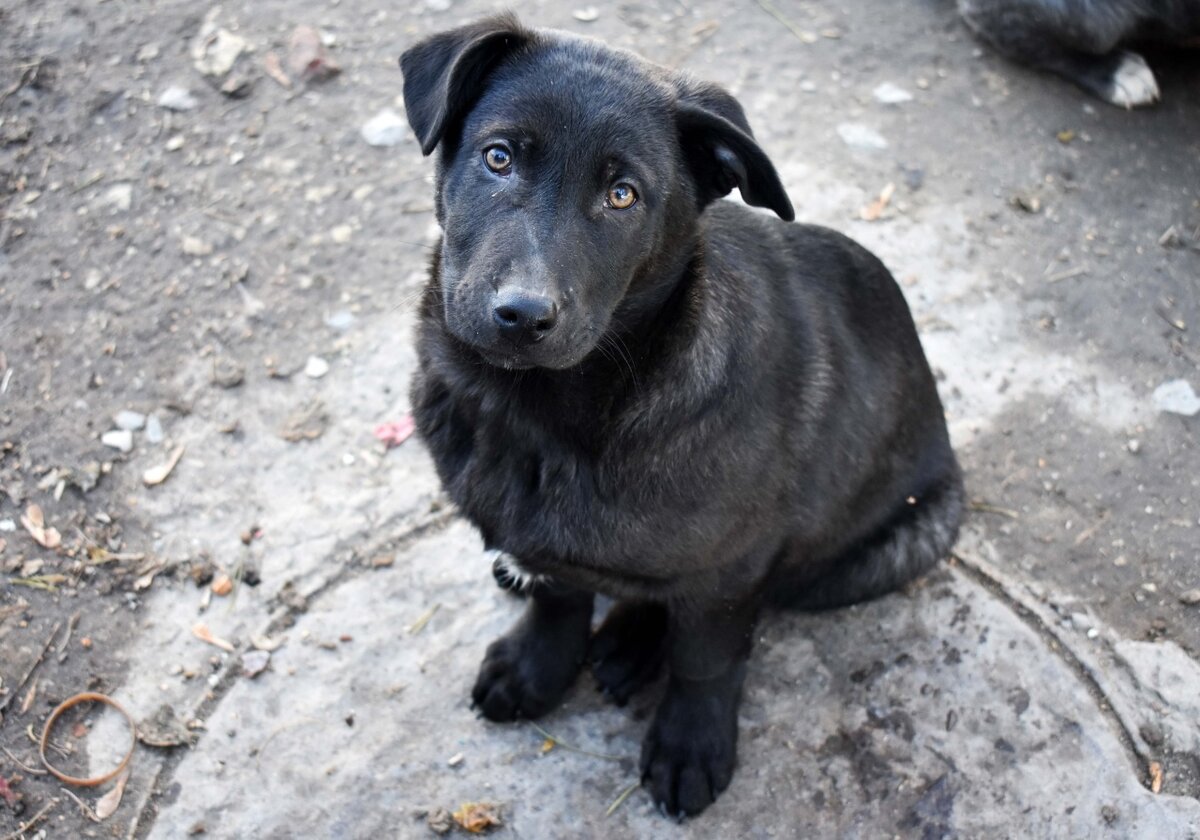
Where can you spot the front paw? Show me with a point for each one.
(628, 649)
(690, 751)
(526, 673)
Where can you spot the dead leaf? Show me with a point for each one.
(873, 211)
(164, 729)
(157, 475)
(308, 423)
(307, 57)
(266, 643)
(478, 817)
(107, 805)
(35, 524)
(395, 433)
(145, 580)
(1156, 777)
(274, 69)
(201, 632)
(7, 794)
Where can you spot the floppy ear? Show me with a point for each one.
(721, 152)
(443, 75)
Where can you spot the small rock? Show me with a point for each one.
(387, 128)
(7, 525)
(1134, 445)
(890, 94)
(195, 247)
(455, 760)
(255, 662)
(118, 197)
(237, 86)
(316, 367)
(1191, 597)
(1177, 397)
(177, 98)
(341, 320)
(228, 373)
(438, 5)
(862, 137)
(1151, 733)
(174, 144)
(154, 429)
(148, 52)
(131, 420)
(121, 439)
(92, 280)
(586, 15)
(440, 821)
(215, 54)
(341, 234)
(1026, 201)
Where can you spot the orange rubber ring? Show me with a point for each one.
(69, 703)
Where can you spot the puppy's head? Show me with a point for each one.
(570, 180)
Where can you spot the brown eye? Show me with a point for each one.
(498, 159)
(621, 196)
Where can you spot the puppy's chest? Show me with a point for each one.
(520, 478)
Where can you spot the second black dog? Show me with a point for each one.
(636, 389)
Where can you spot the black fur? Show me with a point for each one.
(1085, 40)
(727, 408)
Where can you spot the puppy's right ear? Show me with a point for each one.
(443, 75)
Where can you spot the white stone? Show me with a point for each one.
(387, 128)
(316, 367)
(177, 98)
(130, 420)
(858, 136)
(1177, 397)
(121, 439)
(890, 94)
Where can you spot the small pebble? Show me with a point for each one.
(387, 128)
(1177, 397)
(154, 429)
(1191, 597)
(341, 234)
(174, 144)
(890, 94)
(455, 760)
(341, 320)
(130, 420)
(1134, 445)
(195, 247)
(176, 98)
(863, 137)
(586, 15)
(121, 439)
(316, 367)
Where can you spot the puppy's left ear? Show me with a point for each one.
(444, 74)
(721, 151)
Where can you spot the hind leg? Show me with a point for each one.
(919, 535)
(1072, 39)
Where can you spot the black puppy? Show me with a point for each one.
(1082, 40)
(635, 389)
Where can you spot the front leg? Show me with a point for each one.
(526, 672)
(690, 750)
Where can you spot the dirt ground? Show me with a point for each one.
(239, 268)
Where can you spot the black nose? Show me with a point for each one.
(524, 317)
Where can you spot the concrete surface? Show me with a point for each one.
(1024, 691)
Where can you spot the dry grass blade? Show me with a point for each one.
(419, 625)
(978, 506)
(621, 797)
(559, 742)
